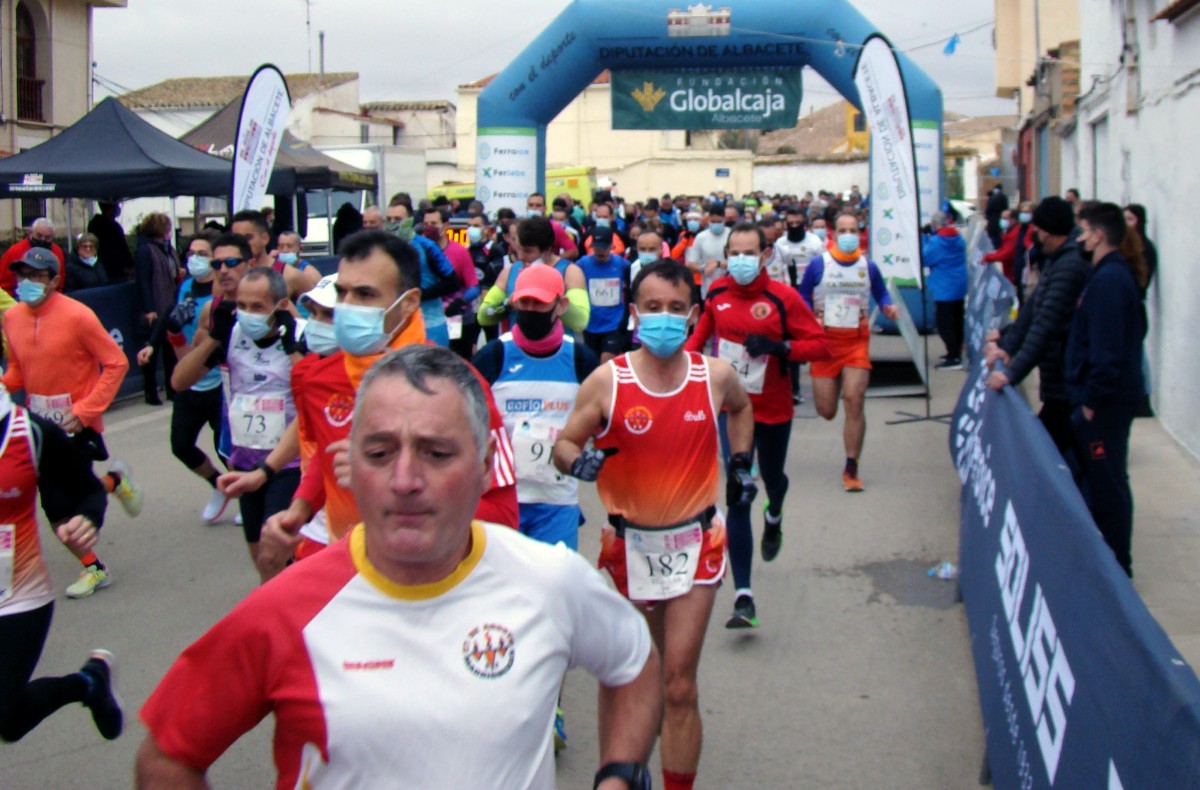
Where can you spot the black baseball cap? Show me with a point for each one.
(602, 237)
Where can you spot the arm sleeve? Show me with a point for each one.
(112, 359)
(878, 286)
(312, 483)
(65, 478)
(1063, 283)
(806, 338)
(579, 309)
(812, 275)
(491, 309)
(1008, 247)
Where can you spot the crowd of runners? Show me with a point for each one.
(384, 485)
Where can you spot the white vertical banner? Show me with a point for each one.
(895, 226)
(263, 117)
(505, 167)
(926, 136)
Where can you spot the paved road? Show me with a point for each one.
(860, 676)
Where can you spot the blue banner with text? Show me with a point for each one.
(1079, 686)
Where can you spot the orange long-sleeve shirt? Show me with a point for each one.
(60, 347)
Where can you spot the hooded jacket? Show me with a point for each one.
(945, 255)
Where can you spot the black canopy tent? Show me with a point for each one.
(314, 170)
(111, 153)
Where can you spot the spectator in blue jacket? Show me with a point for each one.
(945, 254)
(1104, 375)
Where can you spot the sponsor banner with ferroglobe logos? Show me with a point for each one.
(505, 167)
(706, 98)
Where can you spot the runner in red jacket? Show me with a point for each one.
(760, 325)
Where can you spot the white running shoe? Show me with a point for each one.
(214, 507)
(238, 518)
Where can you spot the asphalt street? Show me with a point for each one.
(860, 676)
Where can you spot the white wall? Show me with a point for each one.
(1148, 156)
(800, 177)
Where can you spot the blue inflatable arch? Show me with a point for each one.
(592, 35)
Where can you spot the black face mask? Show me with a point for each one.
(729, 223)
(535, 325)
(795, 234)
(45, 245)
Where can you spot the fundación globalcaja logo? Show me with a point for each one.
(763, 101)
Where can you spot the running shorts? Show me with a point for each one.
(712, 556)
(849, 351)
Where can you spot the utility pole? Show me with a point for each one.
(308, 31)
(321, 50)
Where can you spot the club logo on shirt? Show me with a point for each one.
(760, 310)
(862, 275)
(638, 420)
(488, 651)
(339, 410)
(694, 416)
(12, 493)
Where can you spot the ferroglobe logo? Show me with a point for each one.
(485, 150)
(511, 151)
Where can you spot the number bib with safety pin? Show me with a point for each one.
(662, 563)
(843, 311)
(8, 550)
(751, 370)
(604, 291)
(257, 422)
(454, 325)
(55, 408)
(533, 447)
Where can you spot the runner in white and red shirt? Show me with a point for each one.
(422, 635)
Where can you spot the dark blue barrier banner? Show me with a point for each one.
(989, 307)
(1079, 686)
(114, 306)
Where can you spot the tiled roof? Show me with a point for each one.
(406, 106)
(979, 124)
(603, 78)
(816, 134)
(185, 92)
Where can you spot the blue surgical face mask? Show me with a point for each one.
(199, 266)
(717, 227)
(646, 257)
(603, 222)
(474, 234)
(1004, 223)
(288, 258)
(359, 329)
(1025, 217)
(91, 261)
(254, 325)
(820, 233)
(693, 226)
(743, 268)
(321, 338)
(30, 292)
(847, 242)
(662, 333)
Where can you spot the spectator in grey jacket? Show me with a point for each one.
(157, 275)
(1039, 335)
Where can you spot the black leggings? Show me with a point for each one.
(950, 316)
(771, 446)
(272, 498)
(193, 410)
(24, 703)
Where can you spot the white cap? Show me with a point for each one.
(323, 293)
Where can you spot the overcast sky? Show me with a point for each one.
(422, 50)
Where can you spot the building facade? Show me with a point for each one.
(1129, 144)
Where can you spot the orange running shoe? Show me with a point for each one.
(851, 481)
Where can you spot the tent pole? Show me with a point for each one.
(70, 228)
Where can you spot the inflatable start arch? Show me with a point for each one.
(592, 35)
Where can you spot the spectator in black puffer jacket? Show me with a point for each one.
(1038, 337)
(84, 268)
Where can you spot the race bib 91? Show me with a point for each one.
(55, 408)
(533, 447)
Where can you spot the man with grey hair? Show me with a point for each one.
(945, 256)
(423, 622)
(40, 234)
(372, 218)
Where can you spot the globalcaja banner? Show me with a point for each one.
(263, 117)
(505, 167)
(895, 243)
(1079, 687)
(706, 98)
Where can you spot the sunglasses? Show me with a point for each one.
(230, 263)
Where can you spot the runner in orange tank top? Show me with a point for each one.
(653, 415)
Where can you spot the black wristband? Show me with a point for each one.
(635, 775)
(266, 470)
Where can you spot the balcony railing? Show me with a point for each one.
(29, 99)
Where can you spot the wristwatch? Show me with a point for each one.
(265, 469)
(635, 775)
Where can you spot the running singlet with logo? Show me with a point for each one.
(535, 397)
(258, 397)
(347, 660)
(842, 297)
(24, 580)
(666, 470)
(212, 379)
